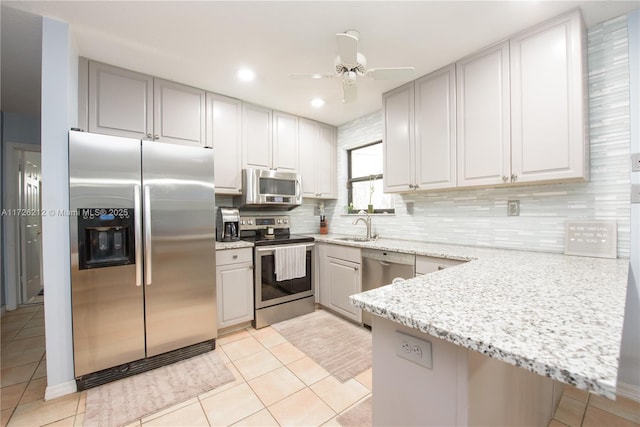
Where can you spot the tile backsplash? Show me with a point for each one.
(479, 216)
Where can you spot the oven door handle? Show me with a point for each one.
(271, 248)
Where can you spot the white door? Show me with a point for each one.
(344, 280)
(178, 113)
(256, 137)
(30, 229)
(435, 124)
(326, 163)
(483, 111)
(308, 140)
(399, 156)
(547, 102)
(224, 134)
(285, 142)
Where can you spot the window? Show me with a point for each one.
(365, 180)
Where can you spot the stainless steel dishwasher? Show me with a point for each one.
(380, 267)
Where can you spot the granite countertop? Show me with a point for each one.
(555, 315)
(233, 245)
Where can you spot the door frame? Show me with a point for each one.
(11, 241)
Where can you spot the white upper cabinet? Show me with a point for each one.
(420, 134)
(399, 149)
(285, 142)
(120, 102)
(547, 101)
(483, 111)
(126, 103)
(435, 130)
(179, 113)
(224, 134)
(256, 137)
(513, 113)
(317, 159)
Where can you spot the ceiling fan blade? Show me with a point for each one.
(312, 76)
(398, 73)
(347, 48)
(349, 92)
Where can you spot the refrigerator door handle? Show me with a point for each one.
(137, 219)
(147, 235)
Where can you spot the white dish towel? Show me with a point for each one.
(291, 262)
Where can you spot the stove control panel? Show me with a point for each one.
(263, 222)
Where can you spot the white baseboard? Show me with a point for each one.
(60, 390)
(629, 391)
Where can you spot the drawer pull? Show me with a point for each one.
(235, 257)
(441, 267)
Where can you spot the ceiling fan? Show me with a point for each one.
(351, 64)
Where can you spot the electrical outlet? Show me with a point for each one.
(635, 162)
(414, 349)
(513, 208)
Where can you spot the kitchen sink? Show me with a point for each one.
(355, 239)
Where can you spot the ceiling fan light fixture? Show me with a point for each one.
(246, 74)
(318, 102)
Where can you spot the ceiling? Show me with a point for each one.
(204, 43)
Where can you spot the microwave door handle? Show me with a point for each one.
(137, 224)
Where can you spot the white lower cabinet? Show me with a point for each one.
(340, 276)
(234, 286)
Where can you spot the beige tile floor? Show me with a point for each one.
(276, 384)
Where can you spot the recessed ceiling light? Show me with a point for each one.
(246, 74)
(317, 102)
(316, 76)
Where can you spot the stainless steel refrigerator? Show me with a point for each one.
(142, 250)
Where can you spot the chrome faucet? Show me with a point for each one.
(367, 222)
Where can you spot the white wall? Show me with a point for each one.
(479, 216)
(56, 76)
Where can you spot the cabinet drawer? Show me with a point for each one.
(233, 256)
(346, 253)
(427, 264)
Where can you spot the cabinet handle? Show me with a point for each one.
(356, 268)
(235, 257)
(416, 186)
(149, 136)
(505, 179)
(441, 267)
(251, 267)
(156, 137)
(514, 177)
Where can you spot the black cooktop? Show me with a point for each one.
(261, 239)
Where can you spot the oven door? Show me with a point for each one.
(269, 291)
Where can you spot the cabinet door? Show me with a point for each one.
(256, 137)
(399, 155)
(548, 101)
(234, 287)
(435, 124)
(326, 171)
(120, 102)
(483, 140)
(285, 142)
(343, 280)
(178, 114)
(224, 134)
(309, 140)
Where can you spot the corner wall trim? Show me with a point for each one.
(629, 391)
(59, 390)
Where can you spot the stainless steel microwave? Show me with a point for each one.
(269, 189)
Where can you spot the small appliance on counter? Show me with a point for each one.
(228, 224)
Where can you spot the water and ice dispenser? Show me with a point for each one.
(105, 237)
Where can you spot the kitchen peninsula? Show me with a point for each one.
(558, 317)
